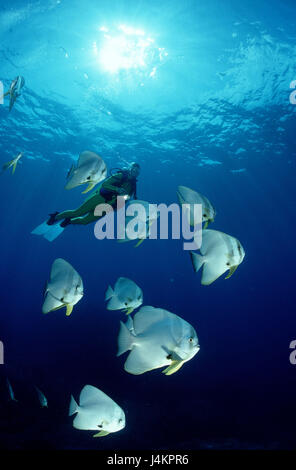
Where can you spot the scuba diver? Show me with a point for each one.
(122, 183)
(15, 90)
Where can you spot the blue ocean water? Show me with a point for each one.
(198, 95)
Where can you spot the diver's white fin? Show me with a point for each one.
(41, 229)
(49, 232)
(53, 232)
(125, 339)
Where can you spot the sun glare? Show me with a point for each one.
(127, 48)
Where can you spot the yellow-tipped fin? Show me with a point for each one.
(57, 308)
(101, 434)
(8, 164)
(231, 271)
(89, 188)
(174, 367)
(129, 310)
(69, 309)
(14, 167)
(140, 242)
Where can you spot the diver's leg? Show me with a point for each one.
(87, 219)
(90, 217)
(70, 214)
(87, 207)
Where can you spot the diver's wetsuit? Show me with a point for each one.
(107, 193)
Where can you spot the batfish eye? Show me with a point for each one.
(204, 215)
(228, 264)
(190, 340)
(125, 303)
(88, 178)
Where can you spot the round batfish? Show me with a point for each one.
(64, 289)
(96, 412)
(126, 295)
(90, 169)
(219, 253)
(189, 196)
(156, 338)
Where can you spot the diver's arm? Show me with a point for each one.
(113, 189)
(109, 186)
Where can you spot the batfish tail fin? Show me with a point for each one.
(73, 408)
(197, 261)
(109, 293)
(125, 339)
